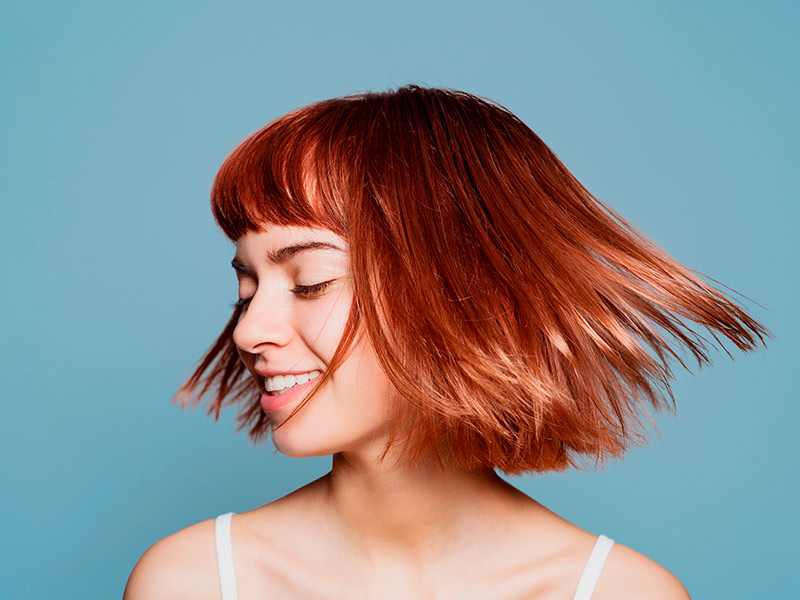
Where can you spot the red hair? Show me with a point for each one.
(523, 322)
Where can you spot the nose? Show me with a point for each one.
(264, 322)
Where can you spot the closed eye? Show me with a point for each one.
(241, 303)
(303, 291)
(309, 291)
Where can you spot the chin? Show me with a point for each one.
(300, 450)
(302, 442)
(297, 444)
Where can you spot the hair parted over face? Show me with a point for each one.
(522, 323)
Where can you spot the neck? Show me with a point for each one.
(413, 511)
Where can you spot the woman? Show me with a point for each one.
(428, 295)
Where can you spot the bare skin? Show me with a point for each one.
(412, 535)
(370, 529)
(407, 535)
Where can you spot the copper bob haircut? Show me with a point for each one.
(523, 323)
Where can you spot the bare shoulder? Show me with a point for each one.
(181, 565)
(628, 574)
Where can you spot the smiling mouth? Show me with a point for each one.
(294, 381)
(284, 390)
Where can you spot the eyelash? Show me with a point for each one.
(304, 291)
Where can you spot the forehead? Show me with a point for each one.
(277, 244)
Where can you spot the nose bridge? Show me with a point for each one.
(266, 321)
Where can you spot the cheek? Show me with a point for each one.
(321, 326)
(362, 388)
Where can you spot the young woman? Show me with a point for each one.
(428, 295)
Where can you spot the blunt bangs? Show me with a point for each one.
(291, 172)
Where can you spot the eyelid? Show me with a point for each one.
(303, 291)
(312, 290)
(241, 303)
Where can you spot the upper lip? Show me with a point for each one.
(273, 372)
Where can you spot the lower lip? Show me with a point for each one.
(269, 402)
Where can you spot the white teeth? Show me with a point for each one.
(279, 382)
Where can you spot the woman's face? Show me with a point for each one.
(296, 305)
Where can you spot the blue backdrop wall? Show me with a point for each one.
(115, 116)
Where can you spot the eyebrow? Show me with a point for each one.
(282, 255)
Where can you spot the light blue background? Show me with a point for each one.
(681, 115)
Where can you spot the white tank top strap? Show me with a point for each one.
(591, 572)
(222, 536)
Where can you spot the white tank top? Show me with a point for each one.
(227, 579)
